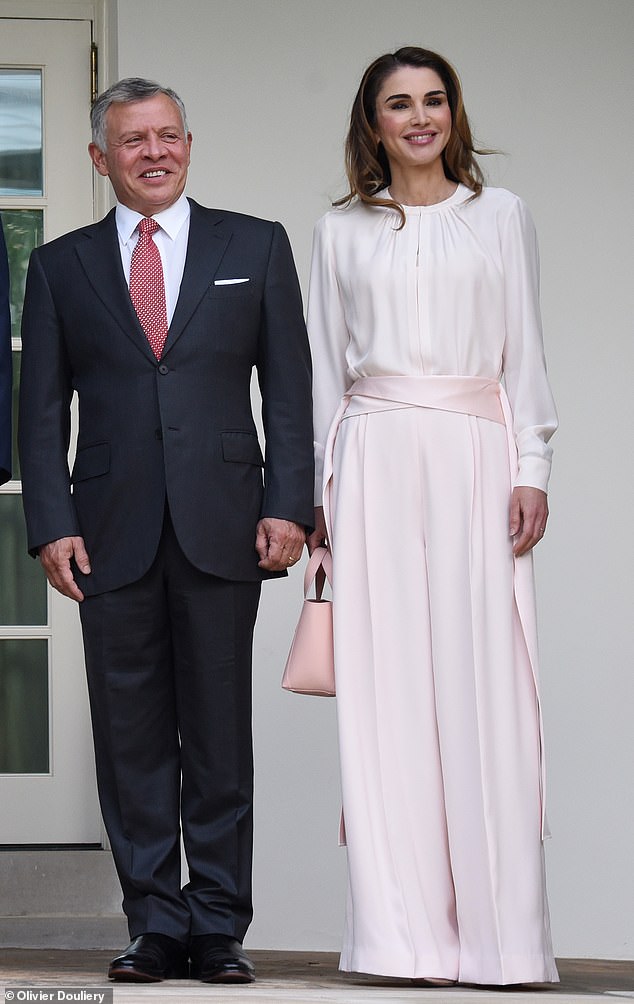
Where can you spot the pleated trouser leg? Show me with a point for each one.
(437, 707)
(168, 661)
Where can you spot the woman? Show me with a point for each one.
(423, 297)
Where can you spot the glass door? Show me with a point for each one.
(47, 785)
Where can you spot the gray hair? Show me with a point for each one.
(127, 90)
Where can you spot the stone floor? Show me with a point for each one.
(291, 978)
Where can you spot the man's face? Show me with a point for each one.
(146, 155)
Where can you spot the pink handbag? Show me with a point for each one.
(310, 667)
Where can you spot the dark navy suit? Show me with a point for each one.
(167, 487)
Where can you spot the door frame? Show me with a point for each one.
(102, 16)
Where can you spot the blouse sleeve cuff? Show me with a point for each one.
(534, 472)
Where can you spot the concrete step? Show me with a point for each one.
(66, 898)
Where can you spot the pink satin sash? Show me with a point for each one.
(467, 395)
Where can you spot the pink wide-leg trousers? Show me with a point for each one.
(439, 723)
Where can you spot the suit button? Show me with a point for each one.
(158, 433)
(163, 369)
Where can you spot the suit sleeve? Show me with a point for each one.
(5, 365)
(44, 416)
(284, 374)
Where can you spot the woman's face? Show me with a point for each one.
(413, 118)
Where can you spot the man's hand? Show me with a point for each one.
(529, 514)
(279, 543)
(55, 557)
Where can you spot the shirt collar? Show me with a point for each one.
(170, 220)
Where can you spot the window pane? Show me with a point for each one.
(23, 231)
(22, 582)
(24, 706)
(21, 132)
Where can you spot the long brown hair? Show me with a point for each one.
(367, 166)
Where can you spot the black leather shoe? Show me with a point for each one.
(218, 958)
(149, 959)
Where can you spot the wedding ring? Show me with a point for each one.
(291, 561)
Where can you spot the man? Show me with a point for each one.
(5, 365)
(169, 526)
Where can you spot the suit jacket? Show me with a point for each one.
(181, 428)
(5, 365)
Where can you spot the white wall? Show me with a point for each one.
(268, 86)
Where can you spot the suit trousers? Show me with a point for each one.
(168, 661)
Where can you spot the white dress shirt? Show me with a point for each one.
(171, 240)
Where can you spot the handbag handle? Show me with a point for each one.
(318, 569)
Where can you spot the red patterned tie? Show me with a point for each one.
(147, 288)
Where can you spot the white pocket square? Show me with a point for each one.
(228, 282)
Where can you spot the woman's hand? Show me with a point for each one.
(529, 514)
(318, 538)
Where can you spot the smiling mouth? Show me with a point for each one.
(154, 174)
(420, 137)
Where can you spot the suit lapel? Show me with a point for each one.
(101, 259)
(208, 240)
